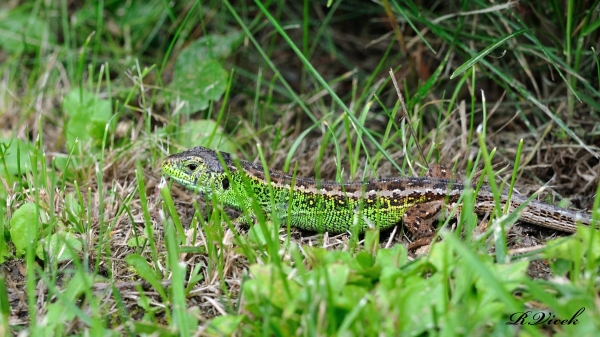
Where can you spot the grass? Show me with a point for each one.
(95, 94)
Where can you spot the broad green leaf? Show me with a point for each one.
(4, 253)
(210, 47)
(197, 83)
(268, 284)
(199, 77)
(58, 247)
(257, 236)
(21, 31)
(139, 240)
(205, 132)
(337, 274)
(349, 296)
(148, 327)
(371, 242)
(393, 257)
(224, 325)
(23, 227)
(134, 14)
(136, 241)
(584, 244)
(10, 156)
(4, 302)
(88, 118)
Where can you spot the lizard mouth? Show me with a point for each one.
(187, 179)
(180, 176)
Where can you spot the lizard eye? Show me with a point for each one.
(192, 166)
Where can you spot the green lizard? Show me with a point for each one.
(333, 207)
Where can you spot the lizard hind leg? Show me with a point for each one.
(419, 221)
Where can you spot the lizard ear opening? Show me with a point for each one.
(225, 183)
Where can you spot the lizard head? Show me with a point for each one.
(199, 169)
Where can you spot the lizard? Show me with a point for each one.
(326, 206)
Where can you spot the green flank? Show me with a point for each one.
(308, 202)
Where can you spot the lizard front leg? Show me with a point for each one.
(419, 219)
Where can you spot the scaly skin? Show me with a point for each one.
(333, 207)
